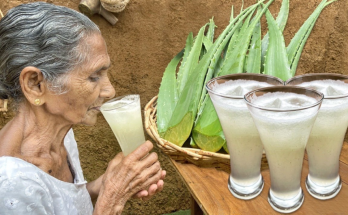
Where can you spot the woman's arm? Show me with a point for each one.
(93, 187)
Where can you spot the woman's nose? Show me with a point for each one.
(107, 91)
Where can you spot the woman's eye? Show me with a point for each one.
(93, 78)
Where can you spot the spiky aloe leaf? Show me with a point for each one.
(225, 148)
(232, 14)
(276, 60)
(181, 122)
(196, 133)
(282, 18)
(209, 38)
(207, 43)
(235, 59)
(188, 47)
(191, 61)
(253, 60)
(193, 144)
(167, 94)
(207, 133)
(213, 70)
(298, 42)
(211, 30)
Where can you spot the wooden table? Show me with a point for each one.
(208, 188)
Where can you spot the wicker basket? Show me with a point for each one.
(184, 154)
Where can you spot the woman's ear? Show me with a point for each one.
(33, 85)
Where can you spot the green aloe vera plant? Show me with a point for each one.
(184, 108)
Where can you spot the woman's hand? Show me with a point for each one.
(138, 174)
(152, 190)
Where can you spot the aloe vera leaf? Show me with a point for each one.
(208, 39)
(235, 59)
(236, 28)
(253, 59)
(232, 14)
(225, 148)
(207, 43)
(191, 61)
(298, 42)
(204, 94)
(235, 39)
(217, 68)
(276, 60)
(167, 94)
(207, 133)
(188, 47)
(211, 30)
(282, 19)
(193, 144)
(181, 122)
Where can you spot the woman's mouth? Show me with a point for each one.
(97, 108)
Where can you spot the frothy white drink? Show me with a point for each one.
(242, 137)
(124, 118)
(326, 139)
(284, 136)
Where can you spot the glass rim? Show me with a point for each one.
(118, 98)
(242, 74)
(283, 110)
(318, 75)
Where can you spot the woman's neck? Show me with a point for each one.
(33, 133)
(38, 138)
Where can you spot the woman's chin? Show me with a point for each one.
(89, 120)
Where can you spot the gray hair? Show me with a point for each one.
(45, 36)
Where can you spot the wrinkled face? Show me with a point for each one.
(88, 86)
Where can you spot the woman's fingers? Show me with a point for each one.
(164, 173)
(140, 152)
(141, 194)
(152, 190)
(160, 186)
(150, 159)
(149, 176)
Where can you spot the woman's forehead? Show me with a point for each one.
(96, 53)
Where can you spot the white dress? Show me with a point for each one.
(26, 189)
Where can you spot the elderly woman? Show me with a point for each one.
(53, 64)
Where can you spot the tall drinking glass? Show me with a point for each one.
(123, 115)
(284, 117)
(243, 141)
(326, 139)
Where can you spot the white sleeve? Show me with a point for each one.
(21, 193)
